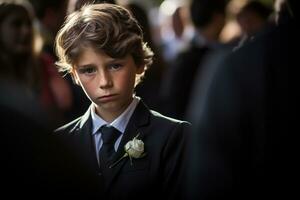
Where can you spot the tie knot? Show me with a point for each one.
(109, 134)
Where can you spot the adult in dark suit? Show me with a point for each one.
(118, 123)
(208, 17)
(241, 121)
(33, 161)
(30, 163)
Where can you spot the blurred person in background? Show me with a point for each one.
(241, 143)
(59, 96)
(18, 60)
(29, 151)
(253, 18)
(208, 17)
(151, 83)
(176, 31)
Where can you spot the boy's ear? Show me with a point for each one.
(140, 69)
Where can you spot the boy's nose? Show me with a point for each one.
(105, 80)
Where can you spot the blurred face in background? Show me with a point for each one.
(284, 10)
(16, 32)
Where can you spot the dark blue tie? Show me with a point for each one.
(109, 136)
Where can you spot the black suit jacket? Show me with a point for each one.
(29, 150)
(159, 172)
(179, 79)
(241, 122)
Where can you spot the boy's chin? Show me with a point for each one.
(112, 107)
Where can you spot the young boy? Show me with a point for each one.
(102, 46)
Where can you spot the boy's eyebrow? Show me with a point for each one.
(113, 60)
(85, 65)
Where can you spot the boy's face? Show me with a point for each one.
(108, 82)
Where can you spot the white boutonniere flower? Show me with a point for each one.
(133, 149)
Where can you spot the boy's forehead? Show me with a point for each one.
(94, 51)
(88, 53)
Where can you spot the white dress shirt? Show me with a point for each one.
(120, 123)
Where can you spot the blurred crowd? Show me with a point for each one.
(189, 39)
(179, 36)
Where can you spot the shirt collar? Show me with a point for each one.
(120, 122)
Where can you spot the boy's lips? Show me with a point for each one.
(106, 98)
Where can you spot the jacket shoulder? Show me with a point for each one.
(168, 120)
(69, 127)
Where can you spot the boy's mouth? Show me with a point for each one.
(106, 98)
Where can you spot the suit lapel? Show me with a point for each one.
(84, 142)
(139, 119)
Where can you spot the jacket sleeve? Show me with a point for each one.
(174, 161)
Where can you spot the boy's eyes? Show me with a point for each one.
(92, 69)
(115, 66)
(87, 70)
